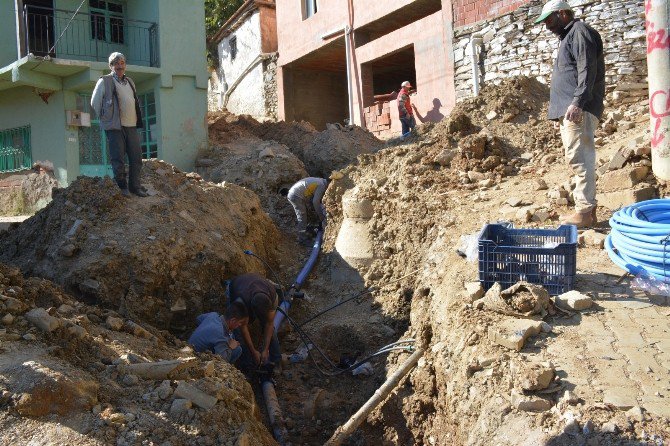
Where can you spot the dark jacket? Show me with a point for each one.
(257, 293)
(579, 72)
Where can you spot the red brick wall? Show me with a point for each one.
(471, 11)
(378, 118)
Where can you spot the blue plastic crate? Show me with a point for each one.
(546, 257)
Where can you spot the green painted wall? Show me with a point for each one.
(182, 96)
(180, 90)
(8, 51)
(49, 135)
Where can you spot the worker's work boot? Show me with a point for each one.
(125, 192)
(579, 219)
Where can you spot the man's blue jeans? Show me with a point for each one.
(408, 124)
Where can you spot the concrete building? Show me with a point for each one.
(244, 82)
(336, 56)
(53, 51)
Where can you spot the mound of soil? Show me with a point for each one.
(321, 152)
(25, 193)
(151, 258)
(79, 367)
(265, 167)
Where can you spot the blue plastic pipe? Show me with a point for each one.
(640, 239)
(300, 280)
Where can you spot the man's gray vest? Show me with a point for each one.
(110, 112)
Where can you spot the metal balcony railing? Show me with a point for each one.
(89, 36)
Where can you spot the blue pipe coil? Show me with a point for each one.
(640, 239)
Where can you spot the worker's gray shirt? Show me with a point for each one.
(310, 189)
(579, 72)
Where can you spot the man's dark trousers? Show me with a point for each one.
(121, 143)
(408, 124)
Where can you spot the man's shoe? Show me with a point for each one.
(579, 219)
(140, 192)
(125, 192)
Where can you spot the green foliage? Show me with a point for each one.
(216, 14)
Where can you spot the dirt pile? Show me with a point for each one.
(25, 193)
(468, 388)
(493, 135)
(105, 379)
(321, 152)
(159, 259)
(265, 167)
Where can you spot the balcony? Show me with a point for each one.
(88, 36)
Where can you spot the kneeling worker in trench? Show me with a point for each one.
(215, 332)
(260, 298)
(306, 191)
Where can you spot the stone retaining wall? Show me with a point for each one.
(270, 86)
(515, 46)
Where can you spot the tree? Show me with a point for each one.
(216, 14)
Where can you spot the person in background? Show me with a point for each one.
(115, 102)
(576, 101)
(306, 192)
(405, 108)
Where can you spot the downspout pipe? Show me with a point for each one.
(346, 30)
(657, 17)
(476, 40)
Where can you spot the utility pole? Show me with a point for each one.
(657, 16)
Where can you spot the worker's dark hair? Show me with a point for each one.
(236, 310)
(283, 191)
(570, 13)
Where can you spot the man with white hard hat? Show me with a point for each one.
(405, 108)
(576, 101)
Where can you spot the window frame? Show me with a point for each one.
(309, 8)
(232, 45)
(108, 19)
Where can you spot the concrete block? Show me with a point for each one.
(619, 199)
(622, 179)
(197, 396)
(529, 403)
(574, 300)
(623, 398)
(473, 291)
(512, 333)
(619, 158)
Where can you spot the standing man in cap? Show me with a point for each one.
(405, 108)
(576, 101)
(115, 102)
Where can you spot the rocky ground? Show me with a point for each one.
(509, 369)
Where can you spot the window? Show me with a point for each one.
(233, 47)
(148, 132)
(15, 151)
(107, 21)
(309, 8)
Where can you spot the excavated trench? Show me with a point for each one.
(388, 269)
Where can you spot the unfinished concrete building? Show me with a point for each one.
(336, 56)
(340, 60)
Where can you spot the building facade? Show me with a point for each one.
(52, 52)
(336, 56)
(244, 82)
(342, 59)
